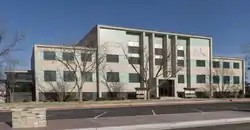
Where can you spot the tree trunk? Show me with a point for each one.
(80, 94)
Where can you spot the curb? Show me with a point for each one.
(135, 104)
(175, 125)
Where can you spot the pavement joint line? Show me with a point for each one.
(100, 115)
(153, 112)
(174, 125)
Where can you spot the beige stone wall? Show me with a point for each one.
(29, 118)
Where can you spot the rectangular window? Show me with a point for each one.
(216, 64)
(158, 51)
(134, 78)
(134, 50)
(113, 77)
(181, 79)
(112, 58)
(226, 65)
(88, 76)
(201, 79)
(226, 79)
(216, 79)
(86, 57)
(49, 75)
(180, 63)
(68, 56)
(200, 63)
(134, 60)
(236, 65)
(49, 55)
(68, 76)
(236, 79)
(180, 53)
(158, 62)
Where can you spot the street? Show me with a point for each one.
(245, 126)
(139, 110)
(146, 110)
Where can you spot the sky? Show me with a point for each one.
(67, 21)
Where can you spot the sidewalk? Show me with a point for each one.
(146, 122)
(109, 104)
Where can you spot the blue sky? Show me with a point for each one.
(66, 21)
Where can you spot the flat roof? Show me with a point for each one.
(152, 31)
(227, 58)
(62, 47)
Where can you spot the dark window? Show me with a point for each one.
(134, 60)
(216, 64)
(226, 65)
(112, 58)
(49, 75)
(226, 79)
(216, 79)
(134, 78)
(236, 65)
(68, 56)
(158, 62)
(86, 57)
(180, 63)
(180, 53)
(133, 49)
(158, 51)
(49, 55)
(201, 79)
(68, 76)
(113, 77)
(236, 79)
(88, 77)
(24, 76)
(181, 79)
(200, 63)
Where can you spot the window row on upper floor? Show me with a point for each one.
(68, 76)
(226, 65)
(67, 56)
(158, 51)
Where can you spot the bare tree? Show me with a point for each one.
(115, 89)
(8, 44)
(163, 62)
(56, 90)
(11, 65)
(222, 88)
(83, 60)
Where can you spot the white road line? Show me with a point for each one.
(234, 108)
(153, 112)
(100, 115)
(199, 110)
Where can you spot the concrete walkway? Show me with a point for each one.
(147, 122)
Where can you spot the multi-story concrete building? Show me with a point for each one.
(184, 61)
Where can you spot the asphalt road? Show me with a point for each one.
(145, 110)
(222, 127)
(139, 110)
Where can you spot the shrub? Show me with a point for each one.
(202, 94)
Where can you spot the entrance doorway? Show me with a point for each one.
(166, 88)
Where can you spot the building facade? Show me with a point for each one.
(135, 58)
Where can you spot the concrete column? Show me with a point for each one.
(165, 56)
(188, 62)
(173, 55)
(141, 53)
(151, 61)
(243, 67)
